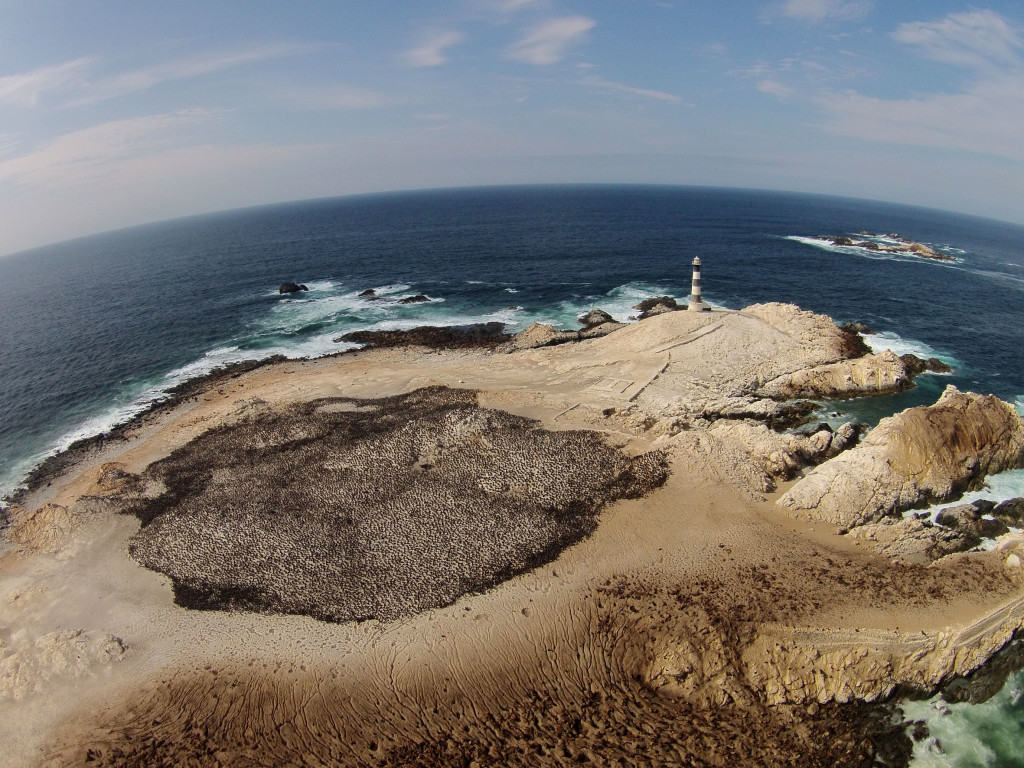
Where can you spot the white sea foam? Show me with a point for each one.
(964, 735)
(1018, 403)
(827, 245)
(887, 340)
(998, 488)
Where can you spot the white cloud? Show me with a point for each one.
(431, 52)
(86, 154)
(548, 43)
(25, 90)
(817, 11)
(975, 38)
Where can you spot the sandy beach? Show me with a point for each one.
(687, 620)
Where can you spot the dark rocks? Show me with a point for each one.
(435, 337)
(858, 328)
(916, 365)
(292, 288)
(369, 293)
(655, 306)
(417, 299)
(595, 317)
(1010, 512)
(970, 519)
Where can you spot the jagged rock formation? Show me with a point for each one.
(404, 505)
(924, 454)
(291, 288)
(656, 305)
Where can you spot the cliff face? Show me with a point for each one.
(929, 453)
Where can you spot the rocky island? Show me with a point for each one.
(617, 545)
(890, 243)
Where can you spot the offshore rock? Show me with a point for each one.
(419, 298)
(924, 454)
(291, 288)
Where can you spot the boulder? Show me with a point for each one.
(595, 317)
(417, 299)
(1010, 512)
(924, 454)
(369, 293)
(291, 288)
(916, 365)
(970, 518)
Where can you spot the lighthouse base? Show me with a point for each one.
(697, 306)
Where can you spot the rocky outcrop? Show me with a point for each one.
(29, 666)
(799, 666)
(544, 335)
(1010, 512)
(369, 293)
(916, 365)
(657, 305)
(595, 317)
(868, 375)
(291, 288)
(895, 244)
(915, 541)
(419, 298)
(478, 335)
(972, 519)
(925, 454)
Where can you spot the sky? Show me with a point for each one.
(120, 112)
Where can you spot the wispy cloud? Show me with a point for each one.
(549, 42)
(25, 89)
(984, 118)
(773, 87)
(613, 87)
(79, 82)
(976, 39)
(183, 69)
(818, 11)
(431, 52)
(341, 98)
(83, 154)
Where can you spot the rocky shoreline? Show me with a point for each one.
(459, 546)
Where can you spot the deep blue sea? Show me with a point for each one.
(93, 330)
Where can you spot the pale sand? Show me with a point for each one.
(629, 644)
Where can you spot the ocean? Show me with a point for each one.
(95, 330)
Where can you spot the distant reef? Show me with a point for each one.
(890, 243)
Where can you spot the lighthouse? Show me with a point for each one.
(696, 305)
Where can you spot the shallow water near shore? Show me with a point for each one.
(97, 329)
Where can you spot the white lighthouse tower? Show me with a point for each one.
(696, 305)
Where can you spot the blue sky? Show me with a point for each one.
(119, 112)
